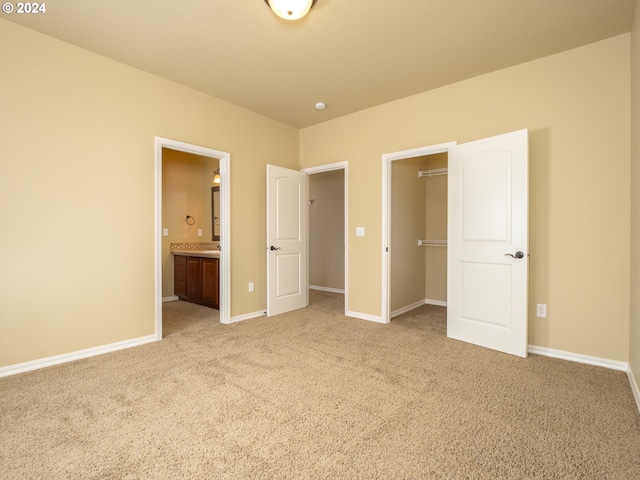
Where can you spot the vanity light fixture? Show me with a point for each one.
(216, 177)
(290, 9)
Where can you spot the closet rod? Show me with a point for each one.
(431, 173)
(432, 243)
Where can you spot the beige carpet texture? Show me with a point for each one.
(312, 394)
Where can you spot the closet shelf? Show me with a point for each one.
(432, 173)
(432, 243)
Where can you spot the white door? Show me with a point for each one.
(488, 242)
(287, 244)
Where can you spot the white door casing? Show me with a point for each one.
(488, 242)
(287, 240)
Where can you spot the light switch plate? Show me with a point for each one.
(165, 232)
(541, 310)
(359, 231)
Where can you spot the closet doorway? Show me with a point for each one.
(414, 229)
(418, 248)
(328, 220)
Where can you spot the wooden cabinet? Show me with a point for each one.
(196, 279)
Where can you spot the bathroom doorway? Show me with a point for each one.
(223, 159)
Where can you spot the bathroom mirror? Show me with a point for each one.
(215, 213)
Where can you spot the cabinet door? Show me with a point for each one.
(179, 275)
(210, 274)
(194, 277)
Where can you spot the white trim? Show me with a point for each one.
(327, 168)
(70, 357)
(326, 289)
(438, 303)
(387, 160)
(173, 298)
(634, 386)
(407, 308)
(415, 305)
(225, 224)
(247, 316)
(578, 357)
(365, 316)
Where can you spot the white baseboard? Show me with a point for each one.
(326, 289)
(407, 308)
(426, 301)
(438, 303)
(172, 298)
(70, 357)
(365, 316)
(599, 362)
(577, 357)
(634, 387)
(247, 316)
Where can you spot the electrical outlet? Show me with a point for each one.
(541, 310)
(165, 232)
(199, 232)
(251, 286)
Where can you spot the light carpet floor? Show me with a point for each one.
(314, 395)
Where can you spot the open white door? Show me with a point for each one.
(488, 242)
(287, 244)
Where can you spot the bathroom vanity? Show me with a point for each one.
(196, 277)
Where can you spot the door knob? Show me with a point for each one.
(518, 254)
(272, 248)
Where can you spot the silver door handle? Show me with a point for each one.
(518, 254)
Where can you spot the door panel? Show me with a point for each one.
(488, 222)
(483, 287)
(288, 266)
(486, 210)
(287, 244)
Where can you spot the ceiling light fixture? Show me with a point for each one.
(290, 9)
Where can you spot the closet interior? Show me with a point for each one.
(418, 246)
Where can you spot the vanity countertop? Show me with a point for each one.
(197, 253)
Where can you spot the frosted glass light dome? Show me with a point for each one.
(290, 9)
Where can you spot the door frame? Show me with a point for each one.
(225, 222)
(387, 160)
(327, 168)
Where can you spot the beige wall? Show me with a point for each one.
(77, 189)
(186, 190)
(408, 217)
(77, 193)
(326, 229)
(576, 107)
(634, 344)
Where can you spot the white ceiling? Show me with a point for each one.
(350, 54)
